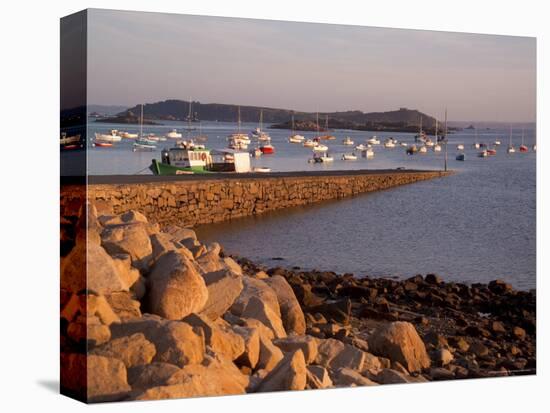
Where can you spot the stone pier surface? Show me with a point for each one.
(202, 199)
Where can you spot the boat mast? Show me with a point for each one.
(141, 123)
(326, 123)
(238, 119)
(261, 118)
(510, 136)
(292, 124)
(522, 135)
(189, 118)
(445, 139)
(317, 123)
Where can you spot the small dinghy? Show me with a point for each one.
(349, 157)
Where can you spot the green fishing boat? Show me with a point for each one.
(181, 160)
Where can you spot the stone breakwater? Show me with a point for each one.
(160, 315)
(189, 202)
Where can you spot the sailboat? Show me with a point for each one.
(523, 147)
(511, 148)
(295, 138)
(421, 137)
(258, 133)
(326, 137)
(238, 140)
(437, 146)
(142, 143)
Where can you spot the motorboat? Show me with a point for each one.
(128, 135)
(476, 145)
(483, 154)
(460, 157)
(491, 152)
(437, 147)
(320, 148)
(112, 137)
(173, 134)
(296, 138)
(349, 157)
(460, 147)
(362, 147)
(324, 158)
(404, 144)
(347, 141)
(423, 149)
(69, 140)
(497, 142)
(310, 143)
(374, 141)
(389, 144)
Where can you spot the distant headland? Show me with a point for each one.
(400, 120)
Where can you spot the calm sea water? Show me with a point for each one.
(474, 226)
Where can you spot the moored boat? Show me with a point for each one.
(310, 143)
(423, 149)
(491, 152)
(104, 137)
(262, 169)
(368, 153)
(510, 148)
(320, 148)
(267, 149)
(373, 141)
(460, 147)
(523, 147)
(174, 134)
(482, 154)
(102, 144)
(461, 157)
(349, 157)
(347, 141)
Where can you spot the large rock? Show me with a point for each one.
(90, 267)
(124, 306)
(131, 350)
(215, 379)
(289, 374)
(132, 239)
(270, 354)
(262, 312)
(88, 330)
(251, 354)
(175, 341)
(223, 289)
(175, 287)
(106, 379)
(334, 354)
(162, 243)
(219, 337)
(260, 290)
(349, 377)
(318, 377)
(291, 312)
(150, 375)
(211, 262)
(307, 344)
(400, 342)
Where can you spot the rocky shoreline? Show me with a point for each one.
(164, 316)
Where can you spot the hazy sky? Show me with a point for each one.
(146, 57)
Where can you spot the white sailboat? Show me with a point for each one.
(510, 148)
(239, 140)
(295, 137)
(142, 143)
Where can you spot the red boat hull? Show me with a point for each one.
(103, 144)
(267, 149)
(491, 152)
(523, 149)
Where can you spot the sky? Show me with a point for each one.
(136, 57)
